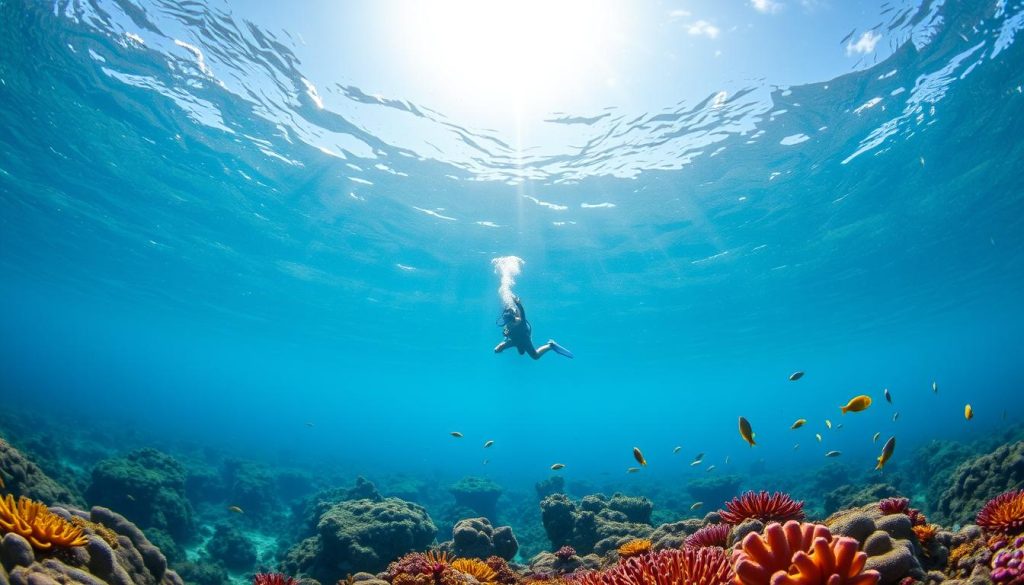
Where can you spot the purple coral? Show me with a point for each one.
(710, 535)
(894, 506)
(565, 553)
(1008, 563)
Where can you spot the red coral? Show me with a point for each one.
(272, 579)
(565, 553)
(1003, 513)
(894, 505)
(688, 566)
(777, 507)
(800, 554)
(710, 535)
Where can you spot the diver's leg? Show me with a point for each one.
(536, 353)
(502, 346)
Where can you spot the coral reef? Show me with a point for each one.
(800, 554)
(688, 566)
(148, 487)
(1008, 561)
(230, 547)
(848, 496)
(635, 547)
(596, 524)
(710, 535)
(24, 478)
(477, 494)
(887, 539)
(674, 534)
(34, 522)
(476, 538)
(979, 479)
(272, 579)
(479, 570)
(1003, 513)
(552, 485)
(566, 552)
(134, 561)
(776, 507)
(360, 535)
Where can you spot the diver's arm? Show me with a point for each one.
(521, 311)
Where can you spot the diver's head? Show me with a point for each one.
(507, 316)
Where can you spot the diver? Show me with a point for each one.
(517, 334)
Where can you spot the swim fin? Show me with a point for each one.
(559, 349)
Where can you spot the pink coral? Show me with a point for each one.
(800, 554)
(1008, 562)
(688, 566)
(894, 505)
(710, 535)
(565, 553)
(777, 507)
(272, 579)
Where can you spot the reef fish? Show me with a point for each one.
(676, 450)
(857, 404)
(895, 416)
(828, 424)
(795, 376)
(875, 438)
(235, 509)
(456, 434)
(696, 505)
(888, 397)
(632, 470)
(968, 412)
(935, 387)
(817, 436)
(488, 444)
(746, 431)
(887, 450)
(557, 466)
(710, 468)
(639, 457)
(833, 454)
(799, 423)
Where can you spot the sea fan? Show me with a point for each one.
(777, 507)
(710, 535)
(632, 548)
(1003, 513)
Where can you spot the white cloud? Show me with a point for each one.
(703, 27)
(766, 6)
(864, 45)
(677, 14)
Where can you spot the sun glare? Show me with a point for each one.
(519, 55)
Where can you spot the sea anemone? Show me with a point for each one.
(565, 553)
(777, 507)
(632, 548)
(710, 535)
(688, 566)
(272, 579)
(478, 569)
(894, 505)
(925, 532)
(800, 554)
(37, 524)
(429, 563)
(1003, 513)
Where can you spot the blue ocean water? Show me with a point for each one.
(197, 251)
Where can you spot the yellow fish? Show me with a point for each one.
(676, 450)
(887, 450)
(557, 466)
(746, 431)
(799, 423)
(696, 505)
(632, 470)
(639, 457)
(875, 438)
(488, 444)
(235, 509)
(857, 404)
(968, 412)
(828, 424)
(456, 434)
(817, 436)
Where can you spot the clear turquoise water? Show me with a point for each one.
(180, 257)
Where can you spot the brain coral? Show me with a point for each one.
(800, 554)
(364, 535)
(1003, 513)
(37, 524)
(979, 479)
(888, 540)
(777, 507)
(689, 566)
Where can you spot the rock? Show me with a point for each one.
(597, 524)
(230, 548)
(673, 534)
(477, 494)
(978, 480)
(552, 485)
(476, 538)
(887, 540)
(24, 478)
(16, 551)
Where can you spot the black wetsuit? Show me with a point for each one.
(518, 332)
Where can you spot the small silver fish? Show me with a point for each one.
(839, 426)
(833, 454)
(888, 397)
(488, 444)
(557, 466)
(875, 438)
(696, 505)
(895, 416)
(485, 461)
(727, 460)
(699, 456)
(633, 470)
(935, 387)
(795, 376)
(796, 446)
(456, 434)
(696, 463)
(676, 450)
(711, 468)
(817, 436)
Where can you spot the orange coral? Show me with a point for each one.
(637, 546)
(926, 532)
(478, 569)
(800, 554)
(1003, 513)
(436, 558)
(41, 527)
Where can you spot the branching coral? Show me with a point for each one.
(688, 566)
(894, 505)
(632, 548)
(1003, 513)
(777, 507)
(41, 527)
(272, 579)
(800, 554)
(925, 532)
(479, 570)
(711, 535)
